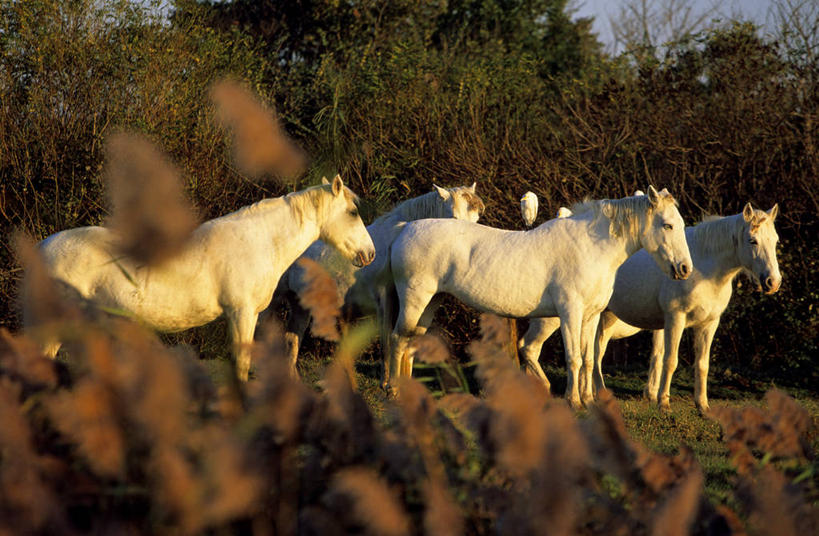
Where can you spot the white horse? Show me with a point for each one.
(564, 267)
(643, 299)
(364, 289)
(230, 266)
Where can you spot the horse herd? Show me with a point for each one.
(606, 269)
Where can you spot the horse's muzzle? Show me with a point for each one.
(681, 270)
(768, 284)
(363, 258)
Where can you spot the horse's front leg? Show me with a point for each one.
(531, 343)
(411, 308)
(587, 338)
(655, 370)
(703, 337)
(241, 323)
(674, 325)
(571, 324)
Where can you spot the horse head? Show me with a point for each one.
(461, 202)
(342, 227)
(756, 248)
(663, 235)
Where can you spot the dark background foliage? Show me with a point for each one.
(513, 94)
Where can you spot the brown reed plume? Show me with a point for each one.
(260, 144)
(429, 348)
(320, 297)
(374, 504)
(41, 294)
(149, 210)
(781, 431)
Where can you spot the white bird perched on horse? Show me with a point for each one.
(528, 208)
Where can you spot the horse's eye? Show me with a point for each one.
(667, 226)
(354, 213)
(753, 241)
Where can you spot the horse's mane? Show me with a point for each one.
(620, 212)
(714, 233)
(313, 199)
(428, 205)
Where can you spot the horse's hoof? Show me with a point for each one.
(703, 409)
(665, 406)
(574, 404)
(390, 391)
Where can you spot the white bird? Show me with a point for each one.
(563, 212)
(639, 192)
(528, 208)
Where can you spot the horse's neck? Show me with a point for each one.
(387, 226)
(292, 231)
(713, 248)
(615, 248)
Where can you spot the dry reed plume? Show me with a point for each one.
(321, 298)
(260, 145)
(374, 504)
(134, 437)
(149, 210)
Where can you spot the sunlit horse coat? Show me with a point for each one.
(643, 298)
(230, 266)
(362, 289)
(564, 267)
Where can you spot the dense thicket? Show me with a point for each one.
(513, 94)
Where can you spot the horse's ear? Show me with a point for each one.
(443, 192)
(653, 195)
(774, 211)
(338, 186)
(748, 213)
(472, 188)
(324, 181)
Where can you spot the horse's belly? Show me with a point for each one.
(167, 308)
(645, 315)
(504, 303)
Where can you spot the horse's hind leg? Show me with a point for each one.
(601, 342)
(297, 325)
(531, 343)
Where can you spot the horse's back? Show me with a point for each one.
(487, 268)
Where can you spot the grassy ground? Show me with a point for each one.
(660, 432)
